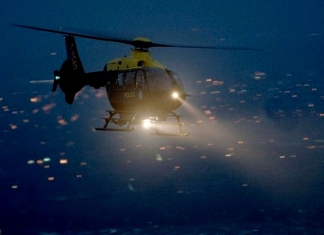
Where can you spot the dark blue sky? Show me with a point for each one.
(270, 25)
(282, 28)
(234, 127)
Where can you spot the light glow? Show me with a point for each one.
(147, 123)
(50, 178)
(63, 161)
(175, 95)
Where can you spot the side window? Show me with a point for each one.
(140, 80)
(158, 80)
(120, 80)
(130, 79)
(151, 79)
(177, 78)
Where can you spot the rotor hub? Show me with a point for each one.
(142, 43)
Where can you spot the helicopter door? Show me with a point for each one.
(120, 82)
(141, 86)
(129, 92)
(115, 91)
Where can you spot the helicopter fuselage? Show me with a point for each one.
(138, 83)
(145, 89)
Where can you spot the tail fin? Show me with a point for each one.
(73, 55)
(71, 76)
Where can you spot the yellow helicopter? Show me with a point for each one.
(140, 89)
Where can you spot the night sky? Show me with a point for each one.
(256, 119)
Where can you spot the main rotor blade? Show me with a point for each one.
(77, 34)
(207, 47)
(135, 43)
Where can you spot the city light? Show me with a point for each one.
(50, 178)
(63, 161)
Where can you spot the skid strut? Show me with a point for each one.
(118, 121)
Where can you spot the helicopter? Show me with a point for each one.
(140, 89)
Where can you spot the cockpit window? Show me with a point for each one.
(140, 80)
(120, 79)
(176, 78)
(152, 78)
(158, 79)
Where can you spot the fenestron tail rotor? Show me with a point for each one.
(142, 43)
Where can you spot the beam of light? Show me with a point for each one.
(241, 145)
(211, 131)
(192, 109)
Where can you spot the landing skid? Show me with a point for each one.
(170, 134)
(127, 121)
(178, 123)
